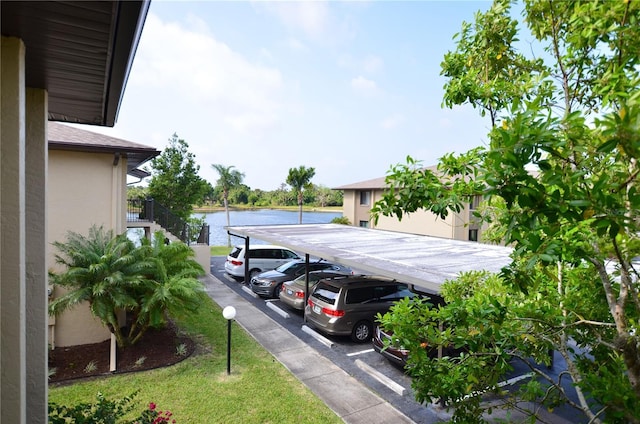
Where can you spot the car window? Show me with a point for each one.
(326, 293)
(396, 293)
(360, 295)
(235, 252)
(318, 266)
(288, 254)
(289, 267)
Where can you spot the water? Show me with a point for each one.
(218, 220)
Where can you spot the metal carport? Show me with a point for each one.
(424, 261)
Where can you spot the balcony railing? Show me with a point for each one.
(148, 210)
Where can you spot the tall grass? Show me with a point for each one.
(198, 390)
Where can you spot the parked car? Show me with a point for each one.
(268, 283)
(383, 342)
(348, 305)
(261, 258)
(293, 292)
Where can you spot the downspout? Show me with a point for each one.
(115, 202)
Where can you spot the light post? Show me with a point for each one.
(229, 313)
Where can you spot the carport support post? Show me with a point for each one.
(247, 256)
(306, 280)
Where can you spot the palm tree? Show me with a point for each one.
(300, 179)
(102, 270)
(171, 285)
(229, 178)
(112, 275)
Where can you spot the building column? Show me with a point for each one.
(12, 232)
(36, 159)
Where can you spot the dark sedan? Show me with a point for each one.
(269, 283)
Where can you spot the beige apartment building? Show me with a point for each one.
(61, 61)
(360, 197)
(87, 186)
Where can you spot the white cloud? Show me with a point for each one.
(364, 86)
(392, 121)
(296, 45)
(312, 17)
(372, 64)
(189, 63)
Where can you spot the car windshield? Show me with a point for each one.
(288, 268)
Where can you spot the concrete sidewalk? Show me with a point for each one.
(353, 402)
(346, 396)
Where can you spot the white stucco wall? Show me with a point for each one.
(85, 189)
(420, 222)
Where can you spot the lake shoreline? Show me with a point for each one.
(210, 209)
(217, 220)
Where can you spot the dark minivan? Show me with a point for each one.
(348, 305)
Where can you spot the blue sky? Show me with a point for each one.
(349, 88)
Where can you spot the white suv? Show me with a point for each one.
(261, 258)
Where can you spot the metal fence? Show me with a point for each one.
(148, 210)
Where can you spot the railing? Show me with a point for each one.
(148, 210)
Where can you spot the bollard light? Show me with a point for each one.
(229, 313)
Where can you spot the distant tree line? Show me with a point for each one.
(175, 183)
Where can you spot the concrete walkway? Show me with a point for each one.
(346, 396)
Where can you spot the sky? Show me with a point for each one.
(349, 88)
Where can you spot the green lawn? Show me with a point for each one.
(198, 390)
(220, 250)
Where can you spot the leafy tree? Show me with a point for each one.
(112, 275)
(175, 182)
(136, 192)
(300, 179)
(574, 225)
(341, 220)
(229, 179)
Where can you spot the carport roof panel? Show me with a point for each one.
(421, 260)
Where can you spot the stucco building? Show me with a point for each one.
(61, 61)
(87, 185)
(360, 197)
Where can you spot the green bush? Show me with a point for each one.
(105, 411)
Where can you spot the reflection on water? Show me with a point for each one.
(218, 220)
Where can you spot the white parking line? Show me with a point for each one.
(508, 382)
(248, 290)
(360, 352)
(317, 336)
(381, 377)
(279, 311)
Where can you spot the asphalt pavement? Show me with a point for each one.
(354, 402)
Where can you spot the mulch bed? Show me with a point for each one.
(157, 348)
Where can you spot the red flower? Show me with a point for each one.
(152, 406)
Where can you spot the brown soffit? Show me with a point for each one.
(81, 52)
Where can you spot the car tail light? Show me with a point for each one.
(333, 313)
(327, 311)
(236, 263)
(300, 294)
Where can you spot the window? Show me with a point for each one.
(475, 202)
(365, 198)
(364, 224)
(473, 235)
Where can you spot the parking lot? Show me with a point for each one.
(358, 360)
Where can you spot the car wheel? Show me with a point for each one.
(361, 332)
(276, 291)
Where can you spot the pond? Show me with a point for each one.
(218, 220)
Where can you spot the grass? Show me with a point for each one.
(198, 390)
(220, 250)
